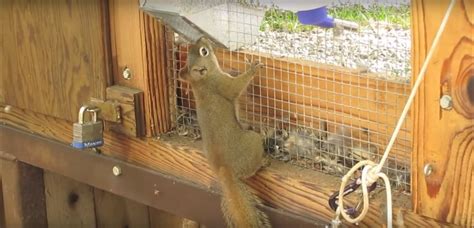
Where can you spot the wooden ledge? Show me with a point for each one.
(282, 187)
(142, 185)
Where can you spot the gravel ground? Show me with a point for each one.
(378, 48)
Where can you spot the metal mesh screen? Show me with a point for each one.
(326, 98)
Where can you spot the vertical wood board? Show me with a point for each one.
(53, 55)
(444, 138)
(23, 195)
(138, 44)
(68, 202)
(115, 211)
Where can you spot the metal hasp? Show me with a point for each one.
(122, 109)
(109, 110)
(220, 20)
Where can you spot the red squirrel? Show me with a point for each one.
(233, 152)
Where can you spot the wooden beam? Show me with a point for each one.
(23, 194)
(144, 186)
(2, 208)
(73, 204)
(283, 187)
(444, 138)
(138, 43)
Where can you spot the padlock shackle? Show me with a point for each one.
(87, 108)
(94, 111)
(82, 110)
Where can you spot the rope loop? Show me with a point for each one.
(372, 171)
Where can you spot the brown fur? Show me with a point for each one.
(233, 152)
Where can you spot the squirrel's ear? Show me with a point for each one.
(184, 73)
(204, 41)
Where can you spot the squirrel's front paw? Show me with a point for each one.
(254, 64)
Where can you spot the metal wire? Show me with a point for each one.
(319, 107)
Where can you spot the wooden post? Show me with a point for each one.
(23, 194)
(138, 43)
(2, 208)
(68, 202)
(115, 211)
(443, 138)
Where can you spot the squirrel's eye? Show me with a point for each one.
(203, 51)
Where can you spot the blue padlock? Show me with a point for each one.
(88, 134)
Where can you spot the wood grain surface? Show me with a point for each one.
(281, 186)
(444, 138)
(53, 55)
(68, 202)
(138, 43)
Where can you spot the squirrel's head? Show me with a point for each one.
(201, 61)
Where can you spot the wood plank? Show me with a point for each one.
(54, 55)
(23, 195)
(444, 138)
(114, 211)
(126, 43)
(143, 185)
(138, 44)
(68, 202)
(158, 102)
(191, 224)
(281, 186)
(2, 208)
(160, 218)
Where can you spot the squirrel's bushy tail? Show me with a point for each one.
(239, 204)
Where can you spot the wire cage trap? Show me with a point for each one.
(326, 97)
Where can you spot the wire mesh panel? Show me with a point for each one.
(326, 98)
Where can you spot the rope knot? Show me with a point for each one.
(369, 174)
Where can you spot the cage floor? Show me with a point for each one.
(329, 182)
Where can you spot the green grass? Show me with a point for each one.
(395, 15)
(280, 20)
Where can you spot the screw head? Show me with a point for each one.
(7, 108)
(119, 117)
(127, 73)
(117, 171)
(428, 169)
(446, 102)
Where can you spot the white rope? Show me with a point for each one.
(371, 171)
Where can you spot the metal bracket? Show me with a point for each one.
(123, 110)
(109, 110)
